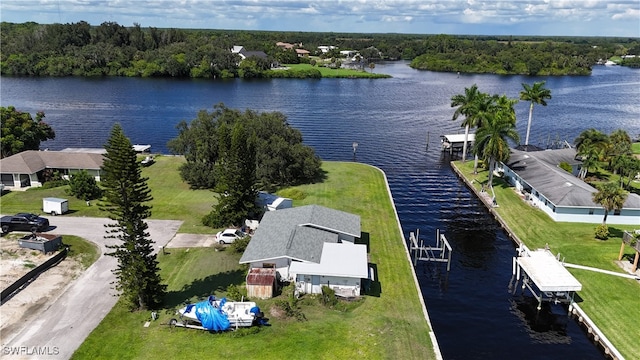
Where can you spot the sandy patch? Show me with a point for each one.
(15, 262)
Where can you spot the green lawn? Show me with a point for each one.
(635, 147)
(611, 301)
(338, 73)
(388, 324)
(172, 198)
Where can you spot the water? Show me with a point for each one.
(472, 312)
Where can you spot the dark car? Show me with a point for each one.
(24, 222)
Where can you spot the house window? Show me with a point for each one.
(616, 212)
(590, 211)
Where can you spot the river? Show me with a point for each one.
(396, 123)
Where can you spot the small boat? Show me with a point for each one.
(219, 315)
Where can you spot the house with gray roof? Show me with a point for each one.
(27, 169)
(311, 245)
(560, 194)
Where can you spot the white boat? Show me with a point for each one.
(219, 315)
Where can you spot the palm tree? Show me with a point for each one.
(611, 197)
(591, 145)
(491, 138)
(536, 94)
(466, 103)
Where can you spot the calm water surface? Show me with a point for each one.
(397, 123)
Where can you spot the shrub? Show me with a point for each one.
(328, 297)
(240, 245)
(602, 232)
(84, 186)
(566, 167)
(236, 293)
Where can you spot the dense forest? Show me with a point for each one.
(110, 49)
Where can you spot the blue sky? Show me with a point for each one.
(515, 17)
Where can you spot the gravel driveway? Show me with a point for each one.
(62, 325)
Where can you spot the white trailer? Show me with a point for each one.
(55, 206)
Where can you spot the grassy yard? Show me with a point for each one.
(635, 147)
(338, 73)
(609, 300)
(388, 324)
(172, 198)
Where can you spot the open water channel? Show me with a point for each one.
(396, 123)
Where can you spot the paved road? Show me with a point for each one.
(64, 324)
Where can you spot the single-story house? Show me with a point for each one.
(27, 169)
(302, 52)
(560, 194)
(313, 246)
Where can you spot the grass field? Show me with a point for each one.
(338, 73)
(172, 198)
(635, 147)
(388, 324)
(608, 300)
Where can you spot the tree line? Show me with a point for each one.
(111, 49)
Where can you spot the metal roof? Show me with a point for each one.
(548, 273)
(341, 260)
(459, 138)
(540, 169)
(299, 233)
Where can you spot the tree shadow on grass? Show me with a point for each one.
(201, 288)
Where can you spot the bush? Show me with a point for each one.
(328, 297)
(236, 293)
(240, 245)
(566, 167)
(84, 186)
(602, 232)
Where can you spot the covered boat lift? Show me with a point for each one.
(545, 276)
(455, 142)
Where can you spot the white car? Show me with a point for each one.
(227, 236)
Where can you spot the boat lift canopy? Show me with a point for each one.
(547, 273)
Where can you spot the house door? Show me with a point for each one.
(315, 281)
(307, 285)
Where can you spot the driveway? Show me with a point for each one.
(62, 325)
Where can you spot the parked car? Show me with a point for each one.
(227, 236)
(24, 222)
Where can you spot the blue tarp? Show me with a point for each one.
(211, 317)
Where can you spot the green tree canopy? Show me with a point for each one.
(281, 157)
(21, 132)
(126, 195)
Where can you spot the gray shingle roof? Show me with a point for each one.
(540, 170)
(32, 161)
(299, 233)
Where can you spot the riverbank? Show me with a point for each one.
(606, 299)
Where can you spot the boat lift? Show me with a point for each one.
(441, 252)
(544, 276)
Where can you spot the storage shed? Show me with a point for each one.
(261, 283)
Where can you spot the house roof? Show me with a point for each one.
(32, 161)
(541, 171)
(261, 276)
(341, 260)
(299, 233)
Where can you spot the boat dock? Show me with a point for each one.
(590, 327)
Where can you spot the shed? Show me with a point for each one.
(261, 283)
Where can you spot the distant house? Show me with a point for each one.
(302, 52)
(27, 169)
(325, 48)
(287, 46)
(244, 53)
(560, 194)
(311, 245)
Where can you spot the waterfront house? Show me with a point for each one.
(28, 168)
(562, 195)
(311, 245)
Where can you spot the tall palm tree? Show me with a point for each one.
(611, 197)
(491, 139)
(536, 94)
(591, 145)
(465, 103)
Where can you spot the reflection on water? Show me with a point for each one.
(393, 121)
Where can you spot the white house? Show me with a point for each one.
(313, 246)
(27, 169)
(560, 194)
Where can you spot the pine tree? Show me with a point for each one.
(125, 196)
